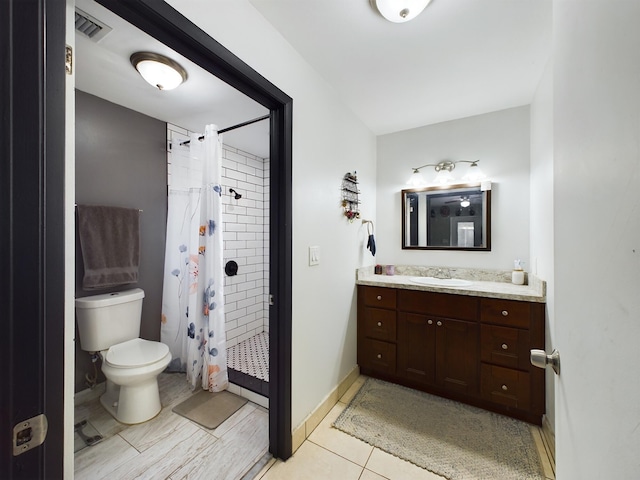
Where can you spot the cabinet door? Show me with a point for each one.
(457, 357)
(416, 347)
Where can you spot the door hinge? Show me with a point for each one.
(271, 300)
(68, 60)
(29, 434)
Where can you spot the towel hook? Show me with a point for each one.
(369, 229)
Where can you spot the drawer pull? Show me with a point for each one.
(505, 388)
(379, 355)
(379, 324)
(504, 313)
(505, 346)
(379, 297)
(439, 323)
(430, 322)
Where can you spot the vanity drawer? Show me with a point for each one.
(505, 312)
(379, 297)
(505, 346)
(439, 304)
(378, 356)
(506, 386)
(380, 324)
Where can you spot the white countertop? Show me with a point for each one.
(534, 292)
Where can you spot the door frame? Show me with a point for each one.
(168, 26)
(32, 236)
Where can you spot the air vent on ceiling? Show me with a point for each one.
(89, 26)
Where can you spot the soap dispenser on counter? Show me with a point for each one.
(517, 276)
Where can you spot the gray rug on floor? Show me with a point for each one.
(448, 438)
(210, 409)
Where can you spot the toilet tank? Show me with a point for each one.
(110, 318)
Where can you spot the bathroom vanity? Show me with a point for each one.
(470, 343)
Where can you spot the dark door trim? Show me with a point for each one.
(32, 98)
(168, 26)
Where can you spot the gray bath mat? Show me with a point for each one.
(210, 409)
(448, 438)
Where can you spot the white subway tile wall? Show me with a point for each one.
(246, 238)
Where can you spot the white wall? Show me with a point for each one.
(501, 141)
(328, 141)
(542, 257)
(596, 134)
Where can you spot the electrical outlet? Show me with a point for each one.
(314, 256)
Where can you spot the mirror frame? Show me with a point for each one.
(439, 189)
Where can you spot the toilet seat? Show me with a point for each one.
(135, 353)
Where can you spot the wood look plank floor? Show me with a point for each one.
(169, 446)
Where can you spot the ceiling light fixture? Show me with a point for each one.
(158, 70)
(444, 174)
(399, 11)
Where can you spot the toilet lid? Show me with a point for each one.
(136, 353)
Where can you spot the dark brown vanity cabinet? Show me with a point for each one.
(471, 349)
(377, 330)
(437, 347)
(509, 330)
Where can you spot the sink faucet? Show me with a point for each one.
(443, 273)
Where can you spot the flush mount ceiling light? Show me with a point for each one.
(444, 174)
(399, 11)
(158, 70)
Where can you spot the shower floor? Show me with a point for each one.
(248, 363)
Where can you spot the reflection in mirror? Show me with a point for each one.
(452, 217)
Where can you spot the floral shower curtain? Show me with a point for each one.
(192, 299)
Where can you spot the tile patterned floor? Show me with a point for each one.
(251, 356)
(329, 454)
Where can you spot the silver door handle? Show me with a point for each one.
(540, 359)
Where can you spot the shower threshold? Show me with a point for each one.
(248, 364)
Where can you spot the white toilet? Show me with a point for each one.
(109, 324)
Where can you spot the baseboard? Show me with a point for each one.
(550, 438)
(308, 425)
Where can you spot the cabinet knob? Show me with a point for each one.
(379, 355)
(379, 324)
(505, 388)
(505, 346)
(439, 323)
(430, 322)
(504, 313)
(379, 297)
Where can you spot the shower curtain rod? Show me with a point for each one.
(228, 129)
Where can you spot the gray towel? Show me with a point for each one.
(110, 242)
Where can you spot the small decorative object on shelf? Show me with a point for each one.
(350, 202)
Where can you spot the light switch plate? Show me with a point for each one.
(314, 256)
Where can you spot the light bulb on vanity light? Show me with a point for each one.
(474, 174)
(416, 179)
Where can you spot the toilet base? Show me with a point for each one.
(132, 404)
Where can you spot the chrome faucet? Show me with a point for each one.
(443, 273)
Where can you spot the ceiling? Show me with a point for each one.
(103, 69)
(457, 59)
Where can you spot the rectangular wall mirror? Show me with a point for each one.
(450, 217)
